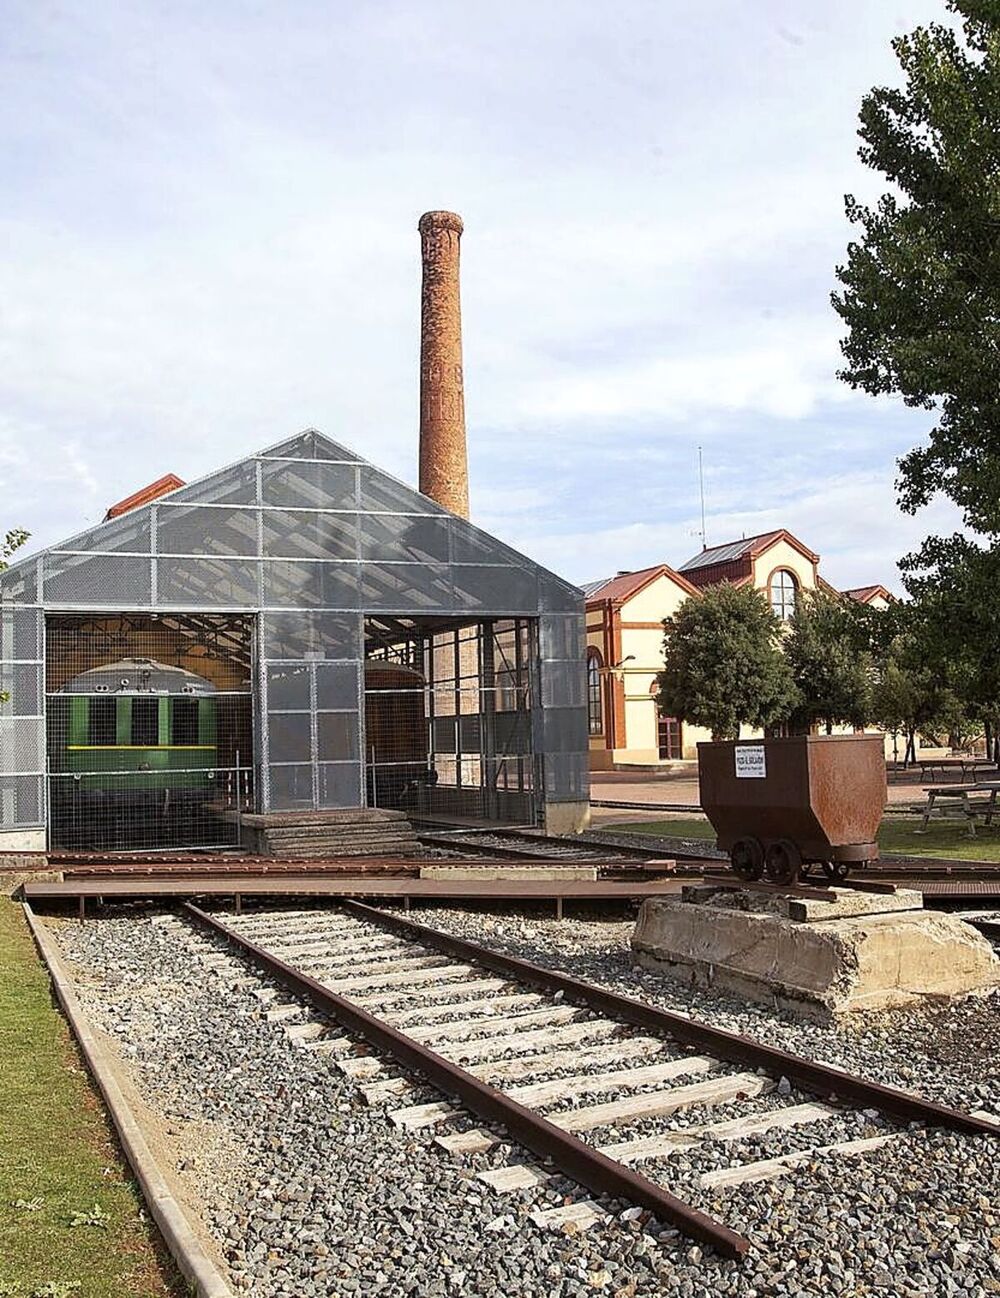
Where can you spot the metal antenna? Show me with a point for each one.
(701, 485)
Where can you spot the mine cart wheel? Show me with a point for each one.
(836, 871)
(747, 858)
(782, 861)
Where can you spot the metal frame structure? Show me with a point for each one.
(309, 540)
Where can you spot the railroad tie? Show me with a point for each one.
(282, 1012)
(330, 1045)
(360, 1068)
(444, 993)
(402, 1019)
(519, 1176)
(458, 1030)
(300, 1032)
(418, 1116)
(324, 947)
(615, 1051)
(570, 1218)
(538, 1094)
(344, 973)
(523, 1042)
(666, 1143)
(719, 1090)
(466, 1142)
(408, 977)
(771, 1168)
(390, 1089)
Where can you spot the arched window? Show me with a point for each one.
(595, 712)
(782, 593)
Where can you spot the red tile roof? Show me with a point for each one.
(627, 584)
(169, 482)
(865, 594)
(732, 560)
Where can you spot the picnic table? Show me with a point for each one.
(960, 793)
(964, 765)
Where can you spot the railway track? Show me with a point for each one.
(527, 845)
(579, 1077)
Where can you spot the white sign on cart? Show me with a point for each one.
(750, 762)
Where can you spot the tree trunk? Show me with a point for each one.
(829, 727)
(987, 739)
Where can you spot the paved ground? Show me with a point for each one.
(681, 787)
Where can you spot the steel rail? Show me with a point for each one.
(806, 1074)
(576, 1159)
(594, 851)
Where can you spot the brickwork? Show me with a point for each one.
(444, 473)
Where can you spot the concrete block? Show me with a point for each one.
(22, 840)
(566, 817)
(816, 968)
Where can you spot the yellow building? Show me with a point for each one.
(625, 615)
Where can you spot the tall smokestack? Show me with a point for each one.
(444, 469)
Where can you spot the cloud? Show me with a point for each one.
(849, 520)
(209, 242)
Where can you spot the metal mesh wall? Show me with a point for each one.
(22, 733)
(310, 539)
(448, 720)
(149, 733)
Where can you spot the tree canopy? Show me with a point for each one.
(723, 664)
(11, 542)
(921, 285)
(920, 296)
(14, 539)
(831, 668)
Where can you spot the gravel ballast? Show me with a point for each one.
(308, 1191)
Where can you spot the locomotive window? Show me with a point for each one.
(145, 723)
(184, 725)
(101, 727)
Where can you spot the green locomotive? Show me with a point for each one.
(132, 756)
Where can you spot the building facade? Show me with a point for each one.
(625, 616)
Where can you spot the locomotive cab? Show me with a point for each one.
(132, 756)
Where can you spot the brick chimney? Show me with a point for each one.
(444, 470)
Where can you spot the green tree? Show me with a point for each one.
(11, 542)
(920, 296)
(832, 673)
(723, 664)
(910, 696)
(954, 615)
(921, 286)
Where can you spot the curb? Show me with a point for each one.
(194, 1263)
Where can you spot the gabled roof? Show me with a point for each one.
(750, 547)
(865, 594)
(307, 524)
(626, 584)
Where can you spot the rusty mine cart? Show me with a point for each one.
(779, 806)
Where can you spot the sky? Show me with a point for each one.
(208, 242)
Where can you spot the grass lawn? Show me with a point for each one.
(57, 1156)
(946, 838)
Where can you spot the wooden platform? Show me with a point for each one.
(241, 887)
(136, 885)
